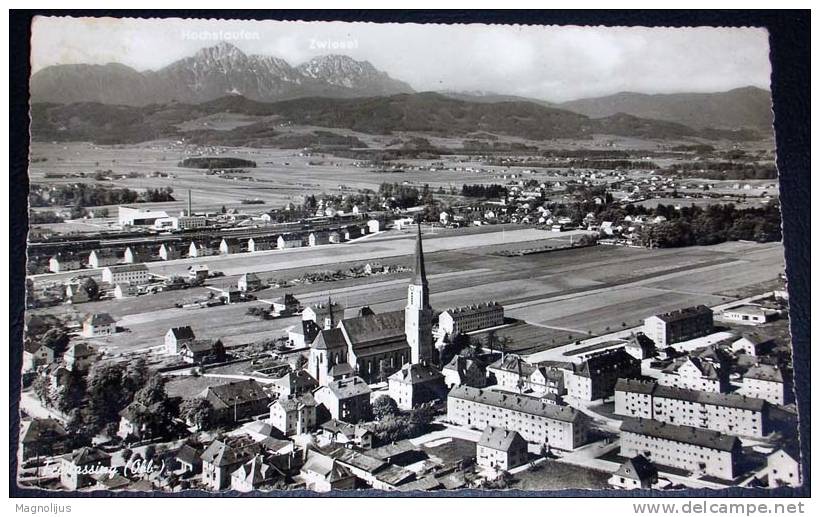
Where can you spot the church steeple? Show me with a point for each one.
(418, 316)
(420, 275)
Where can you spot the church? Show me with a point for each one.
(373, 346)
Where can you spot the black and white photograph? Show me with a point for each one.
(266, 256)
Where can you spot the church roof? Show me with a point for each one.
(333, 338)
(375, 329)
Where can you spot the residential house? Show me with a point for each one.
(699, 451)
(767, 382)
(748, 315)
(36, 354)
(136, 274)
(254, 474)
(461, 320)
(694, 373)
(221, 459)
(99, 324)
(42, 437)
(202, 351)
(98, 259)
(783, 468)
(677, 326)
(635, 473)
(753, 344)
(465, 371)
(322, 473)
(416, 384)
(595, 378)
(293, 415)
(176, 337)
(237, 400)
(289, 240)
(189, 460)
(501, 449)
(79, 357)
(347, 400)
(250, 282)
(78, 468)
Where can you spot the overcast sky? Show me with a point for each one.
(550, 63)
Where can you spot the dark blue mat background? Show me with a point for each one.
(791, 70)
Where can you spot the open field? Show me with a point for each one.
(552, 475)
(564, 295)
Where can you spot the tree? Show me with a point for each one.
(384, 406)
(91, 288)
(199, 412)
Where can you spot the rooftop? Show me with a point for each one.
(678, 433)
(515, 402)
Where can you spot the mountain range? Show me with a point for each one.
(211, 73)
(338, 91)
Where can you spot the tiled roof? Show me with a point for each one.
(731, 400)
(239, 392)
(764, 372)
(127, 268)
(386, 326)
(501, 439)
(41, 428)
(222, 454)
(416, 374)
(99, 318)
(86, 455)
(638, 468)
(678, 433)
(333, 338)
(516, 402)
(347, 388)
(683, 314)
(185, 332)
(479, 308)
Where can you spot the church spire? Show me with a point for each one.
(420, 276)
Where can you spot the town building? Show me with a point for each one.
(747, 315)
(130, 216)
(250, 282)
(286, 305)
(693, 373)
(537, 421)
(321, 473)
(202, 351)
(753, 344)
(318, 238)
(293, 383)
(189, 460)
(36, 354)
(125, 291)
(783, 468)
(221, 459)
(98, 259)
(289, 240)
(416, 384)
(640, 347)
(136, 274)
(199, 249)
(79, 468)
(176, 337)
(511, 373)
(347, 400)
(677, 326)
(461, 320)
(343, 432)
(61, 263)
(79, 357)
(465, 371)
(501, 449)
(294, 415)
(635, 473)
(261, 244)
(547, 380)
(168, 252)
(725, 413)
(134, 256)
(42, 437)
(238, 400)
(198, 272)
(595, 378)
(229, 246)
(700, 451)
(767, 382)
(253, 475)
(99, 324)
